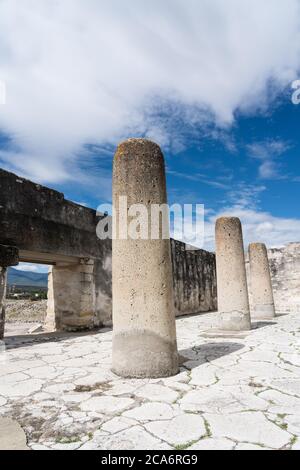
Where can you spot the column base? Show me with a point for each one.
(263, 312)
(143, 354)
(215, 333)
(234, 321)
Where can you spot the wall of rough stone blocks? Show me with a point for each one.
(194, 280)
(103, 287)
(285, 273)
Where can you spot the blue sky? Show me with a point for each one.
(251, 168)
(211, 83)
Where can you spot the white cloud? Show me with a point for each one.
(267, 153)
(245, 195)
(199, 178)
(96, 71)
(258, 226)
(34, 268)
(269, 170)
(268, 149)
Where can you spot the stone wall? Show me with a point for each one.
(103, 286)
(35, 218)
(42, 225)
(194, 278)
(194, 281)
(285, 272)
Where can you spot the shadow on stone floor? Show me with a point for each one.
(194, 315)
(14, 342)
(262, 324)
(200, 355)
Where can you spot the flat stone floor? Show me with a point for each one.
(231, 393)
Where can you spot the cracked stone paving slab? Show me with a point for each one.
(231, 393)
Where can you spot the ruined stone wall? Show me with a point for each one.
(194, 279)
(285, 275)
(103, 286)
(43, 225)
(35, 218)
(285, 272)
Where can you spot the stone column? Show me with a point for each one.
(260, 283)
(71, 297)
(9, 256)
(233, 301)
(144, 330)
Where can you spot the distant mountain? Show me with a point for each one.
(26, 278)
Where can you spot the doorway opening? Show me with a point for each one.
(26, 298)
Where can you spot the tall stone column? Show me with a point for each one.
(9, 256)
(144, 330)
(260, 283)
(233, 301)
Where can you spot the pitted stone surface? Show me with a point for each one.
(12, 436)
(156, 392)
(233, 299)
(213, 444)
(181, 430)
(252, 427)
(152, 412)
(144, 333)
(230, 394)
(260, 284)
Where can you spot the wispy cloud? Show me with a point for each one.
(258, 226)
(93, 71)
(245, 195)
(199, 178)
(32, 268)
(268, 153)
(268, 149)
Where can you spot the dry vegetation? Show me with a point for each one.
(26, 311)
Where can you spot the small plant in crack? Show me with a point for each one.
(185, 446)
(253, 384)
(282, 426)
(282, 416)
(67, 440)
(207, 428)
